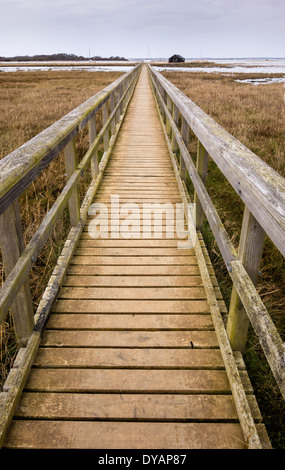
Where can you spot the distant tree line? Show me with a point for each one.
(56, 57)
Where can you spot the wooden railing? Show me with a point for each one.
(20, 168)
(260, 188)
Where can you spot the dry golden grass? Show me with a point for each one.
(30, 102)
(255, 115)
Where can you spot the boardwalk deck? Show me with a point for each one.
(130, 357)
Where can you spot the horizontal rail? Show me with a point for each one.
(260, 187)
(23, 165)
(260, 319)
(22, 268)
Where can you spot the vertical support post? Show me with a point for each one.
(121, 92)
(159, 93)
(164, 95)
(92, 136)
(201, 166)
(250, 253)
(112, 107)
(169, 107)
(185, 137)
(71, 165)
(127, 81)
(117, 99)
(104, 118)
(175, 118)
(12, 246)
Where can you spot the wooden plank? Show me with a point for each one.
(116, 435)
(128, 358)
(132, 339)
(134, 260)
(133, 281)
(133, 186)
(139, 179)
(128, 380)
(126, 406)
(146, 233)
(164, 293)
(85, 241)
(115, 242)
(155, 193)
(90, 251)
(129, 321)
(160, 270)
(131, 306)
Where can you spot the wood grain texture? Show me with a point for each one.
(114, 435)
(260, 187)
(23, 165)
(129, 358)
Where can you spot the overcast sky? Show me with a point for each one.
(143, 28)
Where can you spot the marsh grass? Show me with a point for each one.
(255, 115)
(30, 102)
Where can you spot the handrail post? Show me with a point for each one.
(185, 137)
(12, 246)
(169, 107)
(71, 165)
(117, 99)
(112, 107)
(201, 166)
(175, 119)
(164, 97)
(104, 118)
(250, 253)
(92, 129)
(121, 92)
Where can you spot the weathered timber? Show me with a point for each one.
(247, 423)
(250, 252)
(21, 167)
(236, 270)
(17, 377)
(260, 187)
(92, 130)
(201, 165)
(127, 326)
(12, 247)
(22, 268)
(71, 165)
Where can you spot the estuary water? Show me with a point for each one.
(233, 66)
(270, 67)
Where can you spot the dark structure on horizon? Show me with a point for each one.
(176, 58)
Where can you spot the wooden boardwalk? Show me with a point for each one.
(130, 358)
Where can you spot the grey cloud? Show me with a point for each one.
(126, 27)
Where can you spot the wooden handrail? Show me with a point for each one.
(258, 185)
(22, 166)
